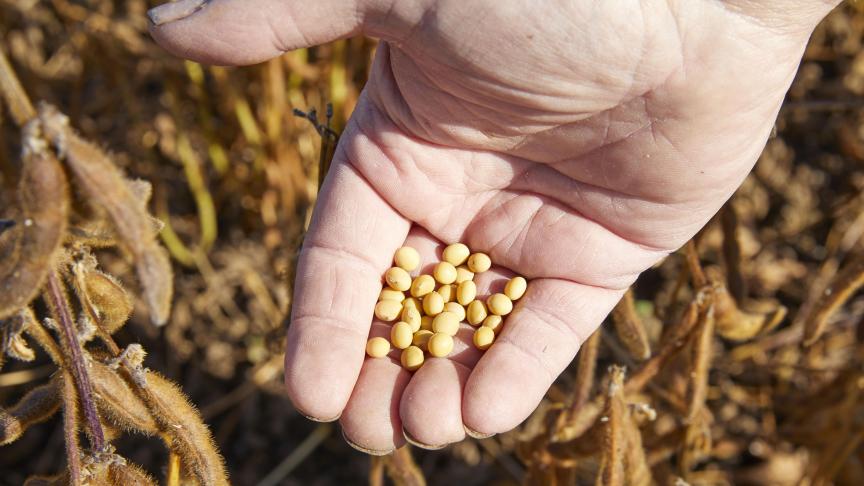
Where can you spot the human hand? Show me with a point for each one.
(576, 142)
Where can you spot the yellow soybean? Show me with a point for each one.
(446, 322)
(479, 262)
(426, 323)
(466, 292)
(411, 317)
(407, 258)
(421, 338)
(463, 274)
(516, 288)
(388, 310)
(390, 294)
(412, 358)
(398, 279)
(499, 304)
(476, 312)
(422, 285)
(456, 254)
(455, 308)
(411, 303)
(448, 293)
(440, 344)
(401, 335)
(433, 304)
(444, 273)
(377, 347)
(483, 337)
(493, 322)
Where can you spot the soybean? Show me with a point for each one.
(411, 303)
(476, 312)
(455, 308)
(425, 323)
(499, 304)
(401, 335)
(448, 293)
(440, 344)
(446, 322)
(387, 310)
(407, 258)
(479, 262)
(377, 347)
(390, 294)
(466, 292)
(463, 274)
(422, 285)
(456, 254)
(483, 337)
(412, 358)
(411, 317)
(398, 279)
(421, 338)
(444, 273)
(516, 288)
(493, 322)
(433, 304)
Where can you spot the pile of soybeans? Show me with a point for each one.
(428, 309)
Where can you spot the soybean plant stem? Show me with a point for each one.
(76, 360)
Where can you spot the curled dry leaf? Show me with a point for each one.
(27, 249)
(107, 188)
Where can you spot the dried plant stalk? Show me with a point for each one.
(612, 459)
(43, 193)
(701, 364)
(103, 183)
(629, 327)
(732, 252)
(38, 405)
(842, 286)
(402, 469)
(13, 94)
(70, 428)
(75, 359)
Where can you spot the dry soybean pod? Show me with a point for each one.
(104, 184)
(118, 403)
(187, 435)
(43, 193)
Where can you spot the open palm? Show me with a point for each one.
(576, 142)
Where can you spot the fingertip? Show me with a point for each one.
(370, 422)
(431, 408)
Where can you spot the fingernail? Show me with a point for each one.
(316, 419)
(417, 443)
(173, 11)
(476, 435)
(371, 452)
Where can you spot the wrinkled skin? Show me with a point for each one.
(577, 142)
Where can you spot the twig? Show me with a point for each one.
(14, 95)
(77, 365)
(297, 456)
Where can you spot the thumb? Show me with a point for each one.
(238, 32)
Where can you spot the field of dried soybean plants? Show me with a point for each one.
(738, 360)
